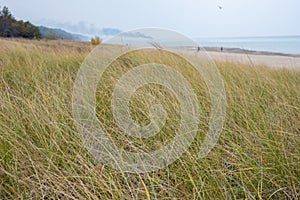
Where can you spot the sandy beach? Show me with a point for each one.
(274, 61)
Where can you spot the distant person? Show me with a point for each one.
(198, 49)
(222, 49)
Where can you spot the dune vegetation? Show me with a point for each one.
(42, 154)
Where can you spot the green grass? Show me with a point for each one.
(42, 154)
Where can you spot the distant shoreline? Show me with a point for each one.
(204, 48)
(233, 55)
(250, 52)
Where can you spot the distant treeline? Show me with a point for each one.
(10, 27)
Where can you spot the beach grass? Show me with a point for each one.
(42, 154)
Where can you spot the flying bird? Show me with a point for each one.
(220, 7)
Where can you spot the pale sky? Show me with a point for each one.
(195, 18)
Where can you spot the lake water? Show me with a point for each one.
(282, 44)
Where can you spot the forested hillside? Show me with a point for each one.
(10, 27)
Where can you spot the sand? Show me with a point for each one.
(274, 61)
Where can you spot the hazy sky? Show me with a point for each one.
(201, 18)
